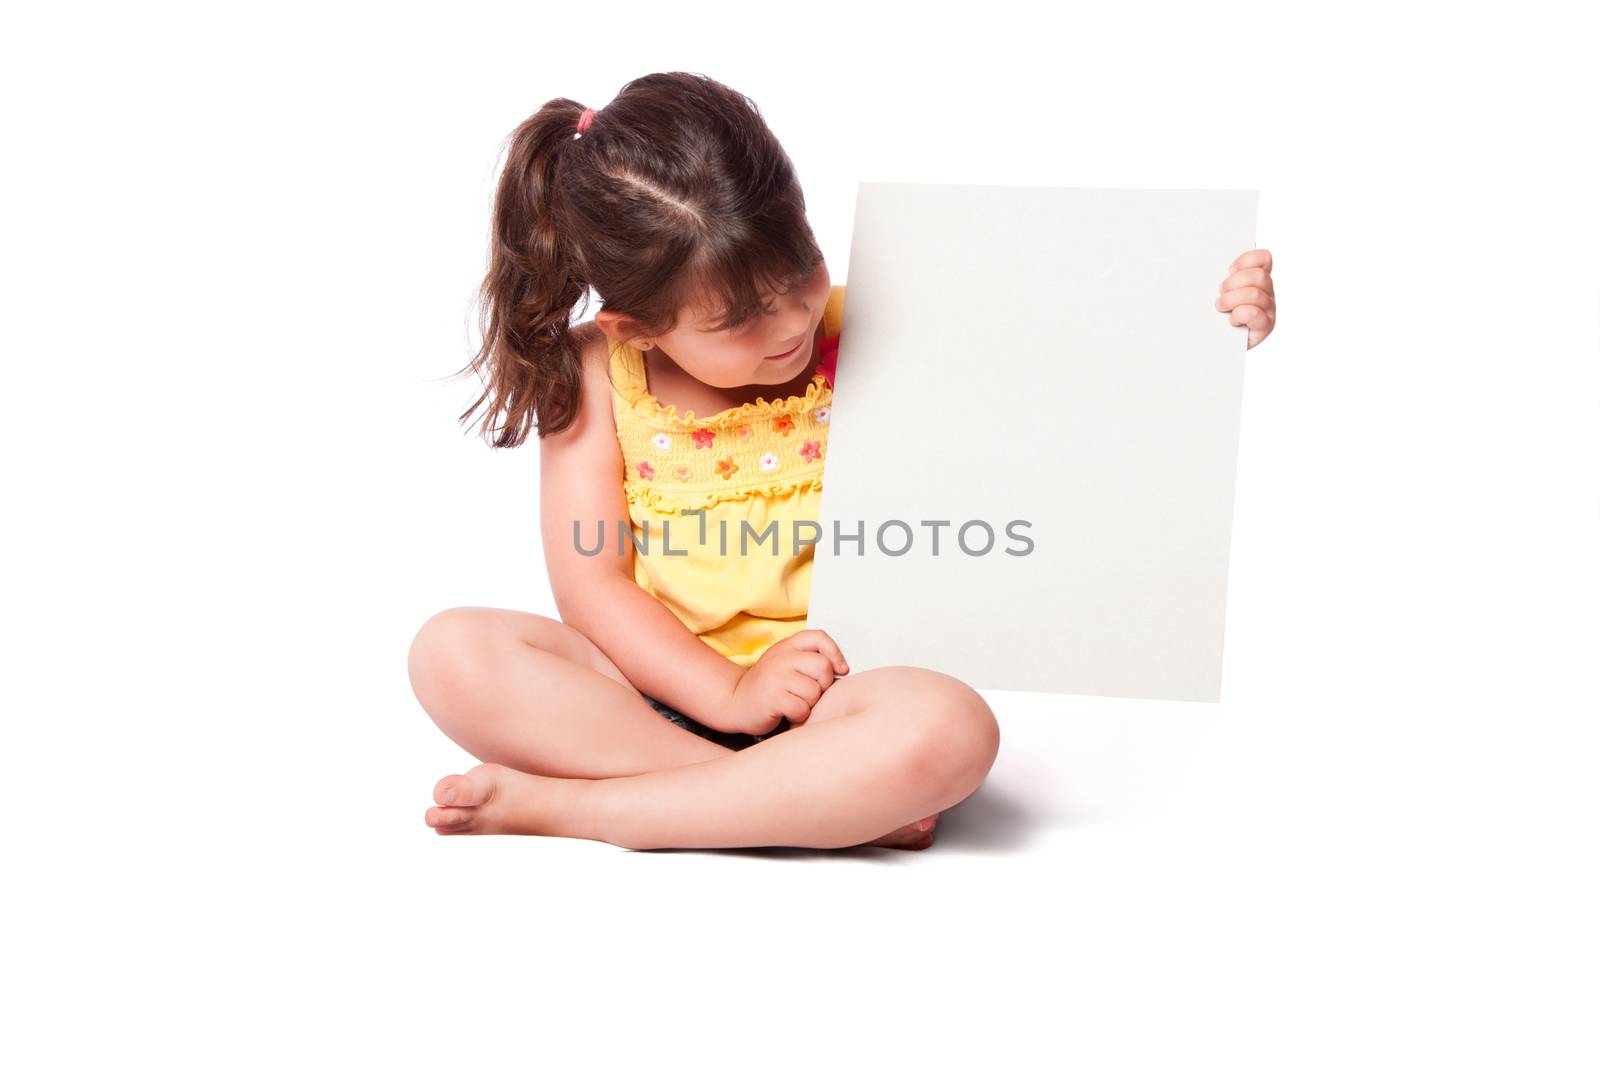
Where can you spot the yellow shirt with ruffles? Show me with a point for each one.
(759, 463)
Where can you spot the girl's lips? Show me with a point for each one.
(786, 355)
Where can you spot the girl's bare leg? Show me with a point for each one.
(532, 694)
(897, 741)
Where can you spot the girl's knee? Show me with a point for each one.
(956, 736)
(446, 652)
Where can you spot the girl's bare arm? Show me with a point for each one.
(580, 480)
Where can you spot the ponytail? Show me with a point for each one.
(529, 360)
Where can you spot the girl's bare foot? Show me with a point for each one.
(491, 799)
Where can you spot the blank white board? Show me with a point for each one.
(1042, 356)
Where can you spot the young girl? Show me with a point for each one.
(680, 701)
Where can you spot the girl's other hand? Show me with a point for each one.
(785, 683)
(1247, 293)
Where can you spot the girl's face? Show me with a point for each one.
(769, 349)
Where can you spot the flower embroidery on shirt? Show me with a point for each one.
(743, 431)
(725, 467)
(647, 471)
(703, 438)
(662, 441)
(822, 413)
(681, 473)
(811, 450)
(769, 462)
(783, 424)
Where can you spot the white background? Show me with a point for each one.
(239, 251)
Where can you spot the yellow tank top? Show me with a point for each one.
(739, 590)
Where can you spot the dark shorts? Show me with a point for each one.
(734, 741)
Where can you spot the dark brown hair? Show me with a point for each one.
(678, 191)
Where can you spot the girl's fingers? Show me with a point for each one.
(1259, 321)
(820, 667)
(814, 667)
(1248, 294)
(803, 684)
(1256, 257)
(1248, 315)
(797, 709)
(819, 641)
(1255, 276)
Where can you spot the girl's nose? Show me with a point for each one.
(796, 322)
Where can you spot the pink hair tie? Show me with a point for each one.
(585, 119)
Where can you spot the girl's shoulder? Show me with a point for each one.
(833, 314)
(596, 394)
(599, 357)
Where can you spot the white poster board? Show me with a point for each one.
(1050, 357)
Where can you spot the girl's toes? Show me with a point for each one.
(449, 788)
(450, 820)
(464, 801)
(469, 790)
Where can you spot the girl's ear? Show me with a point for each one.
(614, 325)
